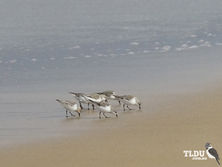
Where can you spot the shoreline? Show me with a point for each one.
(135, 138)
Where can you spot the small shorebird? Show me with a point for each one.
(94, 97)
(129, 100)
(212, 153)
(70, 107)
(109, 95)
(81, 98)
(104, 107)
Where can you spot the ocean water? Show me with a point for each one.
(52, 40)
(49, 47)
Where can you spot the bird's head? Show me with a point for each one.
(118, 97)
(58, 100)
(72, 93)
(207, 145)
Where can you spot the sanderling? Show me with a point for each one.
(94, 97)
(110, 95)
(129, 100)
(81, 98)
(104, 107)
(212, 153)
(70, 107)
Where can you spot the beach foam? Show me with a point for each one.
(70, 57)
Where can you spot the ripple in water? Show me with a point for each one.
(52, 58)
(69, 58)
(134, 43)
(34, 59)
(74, 47)
(87, 56)
(131, 53)
(12, 61)
(166, 48)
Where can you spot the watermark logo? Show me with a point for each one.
(210, 153)
(195, 154)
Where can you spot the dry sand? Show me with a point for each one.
(154, 137)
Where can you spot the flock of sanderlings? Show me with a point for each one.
(99, 101)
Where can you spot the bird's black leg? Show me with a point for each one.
(72, 114)
(93, 106)
(80, 104)
(66, 113)
(119, 102)
(129, 108)
(105, 115)
(78, 113)
(139, 106)
(124, 107)
(88, 106)
(100, 114)
(116, 113)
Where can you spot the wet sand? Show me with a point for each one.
(155, 136)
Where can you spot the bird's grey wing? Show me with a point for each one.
(78, 94)
(94, 95)
(128, 97)
(70, 102)
(213, 152)
(108, 92)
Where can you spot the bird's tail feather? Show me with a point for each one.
(218, 161)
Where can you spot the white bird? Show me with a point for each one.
(69, 107)
(105, 107)
(81, 98)
(95, 97)
(109, 94)
(129, 100)
(212, 153)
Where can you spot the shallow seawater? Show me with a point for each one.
(50, 40)
(49, 48)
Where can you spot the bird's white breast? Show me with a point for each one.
(72, 107)
(105, 108)
(112, 97)
(132, 101)
(98, 100)
(209, 155)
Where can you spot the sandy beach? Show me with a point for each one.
(166, 53)
(155, 136)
